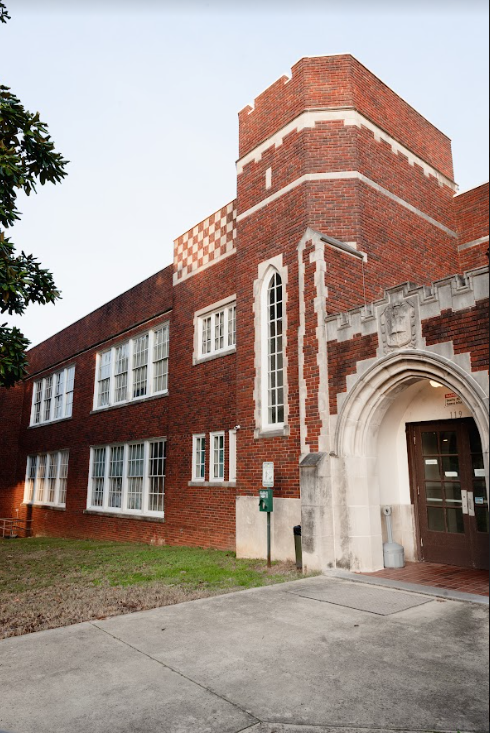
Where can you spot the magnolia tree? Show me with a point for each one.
(27, 157)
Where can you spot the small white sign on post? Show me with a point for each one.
(268, 475)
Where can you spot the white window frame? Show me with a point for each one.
(196, 447)
(151, 361)
(60, 477)
(227, 334)
(273, 372)
(45, 389)
(145, 486)
(232, 453)
(266, 270)
(213, 464)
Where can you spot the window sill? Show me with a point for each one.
(214, 484)
(44, 506)
(50, 422)
(211, 357)
(282, 432)
(136, 401)
(123, 515)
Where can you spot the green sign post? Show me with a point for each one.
(266, 501)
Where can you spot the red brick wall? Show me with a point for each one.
(471, 214)
(471, 221)
(467, 329)
(10, 418)
(341, 81)
(342, 360)
(147, 299)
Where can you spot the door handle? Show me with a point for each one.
(471, 504)
(464, 499)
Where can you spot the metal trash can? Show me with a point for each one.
(393, 553)
(297, 547)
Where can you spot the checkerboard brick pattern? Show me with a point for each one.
(206, 243)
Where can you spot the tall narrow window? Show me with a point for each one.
(217, 469)
(121, 373)
(58, 395)
(98, 474)
(41, 479)
(135, 475)
(38, 390)
(104, 378)
(219, 330)
(48, 394)
(52, 476)
(70, 383)
(116, 476)
(275, 352)
(140, 366)
(199, 468)
(63, 477)
(31, 478)
(206, 335)
(160, 359)
(232, 326)
(156, 475)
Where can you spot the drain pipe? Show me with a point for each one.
(393, 553)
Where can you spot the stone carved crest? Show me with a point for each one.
(398, 326)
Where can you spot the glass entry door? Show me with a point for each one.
(450, 492)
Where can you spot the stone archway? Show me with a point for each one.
(355, 491)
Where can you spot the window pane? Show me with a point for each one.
(449, 443)
(160, 360)
(433, 491)
(429, 444)
(63, 477)
(135, 476)
(41, 479)
(31, 477)
(98, 472)
(52, 473)
(115, 476)
(156, 476)
(275, 355)
(121, 373)
(481, 514)
(453, 492)
(455, 520)
(450, 466)
(200, 458)
(48, 390)
(435, 519)
(431, 468)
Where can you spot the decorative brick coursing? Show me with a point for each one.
(206, 243)
(467, 329)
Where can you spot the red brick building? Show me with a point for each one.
(331, 320)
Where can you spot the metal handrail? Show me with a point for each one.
(10, 528)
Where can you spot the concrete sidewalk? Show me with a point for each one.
(296, 658)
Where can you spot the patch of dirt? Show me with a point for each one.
(41, 609)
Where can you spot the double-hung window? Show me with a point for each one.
(215, 330)
(133, 370)
(275, 356)
(52, 397)
(217, 467)
(217, 453)
(46, 478)
(128, 478)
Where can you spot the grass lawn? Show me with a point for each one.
(46, 582)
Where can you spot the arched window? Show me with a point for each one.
(275, 356)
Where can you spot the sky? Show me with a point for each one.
(142, 98)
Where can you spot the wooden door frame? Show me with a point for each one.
(410, 429)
